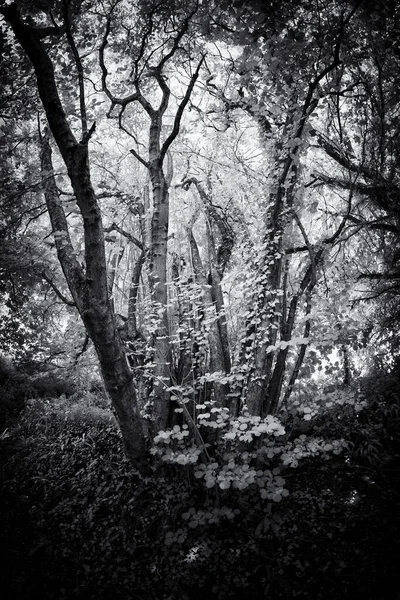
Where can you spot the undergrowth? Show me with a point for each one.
(77, 523)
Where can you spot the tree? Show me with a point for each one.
(272, 319)
(360, 140)
(88, 286)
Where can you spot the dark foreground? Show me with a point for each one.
(77, 524)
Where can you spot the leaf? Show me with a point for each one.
(259, 529)
(225, 484)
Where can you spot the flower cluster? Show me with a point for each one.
(238, 476)
(177, 434)
(215, 418)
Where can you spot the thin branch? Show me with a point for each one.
(296, 249)
(123, 128)
(139, 158)
(31, 219)
(327, 241)
(56, 290)
(126, 234)
(379, 276)
(86, 137)
(44, 32)
(300, 357)
(378, 225)
(85, 346)
(79, 68)
(338, 156)
(307, 242)
(378, 192)
(146, 34)
(178, 37)
(332, 239)
(392, 288)
(104, 71)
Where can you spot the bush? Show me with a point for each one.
(15, 389)
(18, 387)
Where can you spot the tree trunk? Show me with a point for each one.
(158, 278)
(262, 358)
(132, 327)
(217, 354)
(220, 357)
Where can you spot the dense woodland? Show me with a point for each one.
(200, 299)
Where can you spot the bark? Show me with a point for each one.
(183, 316)
(262, 360)
(158, 151)
(88, 286)
(218, 300)
(99, 322)
(114, 262)
(221, 256)
(300, 357)
(218, 259)
(307, 284)
(219, 345)
(274, 389)
(158, 279)
(133, 296)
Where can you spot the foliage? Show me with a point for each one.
(19, 387)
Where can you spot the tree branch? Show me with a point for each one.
(178, 37)
(338, 156)
(79, 68)
(71, 268)
(307, 242)
(57, 291)
(126, 234)
(226, 232)
(139, 158)
(83, 349)
(104, 71)
(181, 108)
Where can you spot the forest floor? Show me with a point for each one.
(77, 524)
